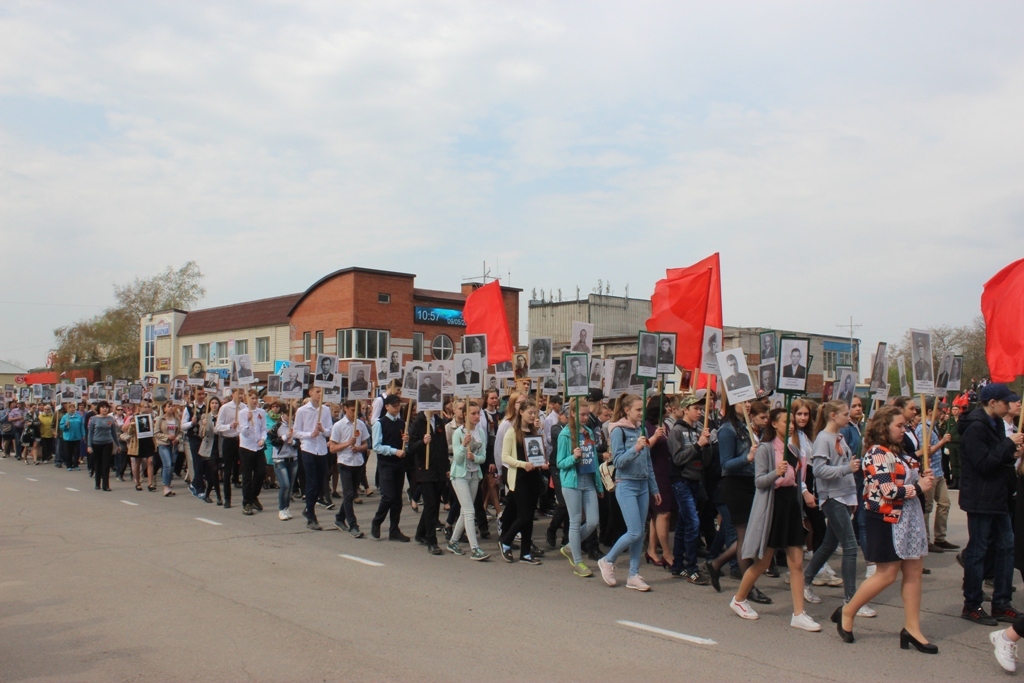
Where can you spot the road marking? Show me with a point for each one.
(3, 473)
(31, 479)
(208, 521)
(665, 632)
(362, 560)
(128, 502)
(71, 489)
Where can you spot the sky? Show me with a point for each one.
(846, 159)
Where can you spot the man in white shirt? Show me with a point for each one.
(252, 436)
(312, 423)
(349, 441)
(227, 428)
(551, 418)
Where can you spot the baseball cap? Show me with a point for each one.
(392, 400)
(997, 392)
(688, 401)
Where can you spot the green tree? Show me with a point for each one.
(111, 339)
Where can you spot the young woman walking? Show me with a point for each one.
(635, 485)
(468, 455)
(166, 435)
(209, 450)
(524, 482)
(581, 482)
(776, 519)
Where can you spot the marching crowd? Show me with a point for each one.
(747, 489)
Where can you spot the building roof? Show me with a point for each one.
(438, 295)
(9, 369)
(335, 274)
(259, 313)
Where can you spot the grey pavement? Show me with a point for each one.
(95, 589)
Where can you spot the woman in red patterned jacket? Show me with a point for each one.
(896, 538)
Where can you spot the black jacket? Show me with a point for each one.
(985, 451)
(688, 458)
(438, 448)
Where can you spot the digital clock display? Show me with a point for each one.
(438, 316)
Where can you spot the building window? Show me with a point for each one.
(262, 349)
(417, 346)
(204, 353)
(186, 355)
(383, 298)
(241, 347)
(149, 350)
(442, 348)
(363, 343)
(320, 341)
(833, 358)
(307, 340)
(222, 354)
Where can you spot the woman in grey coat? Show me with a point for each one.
(776, 520)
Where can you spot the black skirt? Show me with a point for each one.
(787, 522)
(738, 495)
(878, 545)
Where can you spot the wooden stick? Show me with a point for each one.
(661, 400)
(707, 403)
(408, 415)
(924, 430)
(746, 416)
(426, 461)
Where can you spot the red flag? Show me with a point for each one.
(714, 315)
(680, 305)
(1002, 303)
(484, 313)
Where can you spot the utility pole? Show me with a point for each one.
(853, 359)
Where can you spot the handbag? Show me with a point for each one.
(607, 470)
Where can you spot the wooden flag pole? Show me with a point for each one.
(707, 402)
(426, 461)
(661, 400)
(924, 435)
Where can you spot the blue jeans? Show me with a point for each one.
(578, 502)
(167, 463)
(684, 547)
(285, 470)
(980, 529)
(839, 531)
(633, 497)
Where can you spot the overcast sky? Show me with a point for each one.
(858, 159)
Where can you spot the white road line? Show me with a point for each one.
(362, 560)
(3, 473)
(31, 479)
(208, 521)
(128, 502)
(665, 632)
(71, 489)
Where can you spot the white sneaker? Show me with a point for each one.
(787, 578)
(743, 609)
(870, 571)
(820, 579)
(282, 515)
(607, 570)
(804, 622)
(833, 579)
(637, 583)
(810, 596)
(867, 611)
(1005, 650)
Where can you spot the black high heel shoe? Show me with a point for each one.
(906, 640)
(837, 619)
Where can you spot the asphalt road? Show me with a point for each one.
(129, 585)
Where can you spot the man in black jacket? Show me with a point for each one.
(985, 451)
(690, 446)
(431, 470)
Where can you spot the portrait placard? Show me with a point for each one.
(617, 375)
(955, 374)
(685, 380)
(143, 426)
(293, 381)
(666, 353)
(596, 373)
(395, 365)
(577, 382)
(846, 385)
(135, 392)
(767, 376)
(492, 382)
(767, 346)
(409, 382)
(540, 357)
(161, 393)
(647, 355)
(709, 350)
(736, 377)
(428, 391)
(521, 365)
(326, 367)
(922, 369)
(196, 372)
(901, 368)
(552, 385)
(274, 386)
(945, 368)
(582, 338)
(827, 390)
(504, 369)
(882, 395)
(795, 355)
(475, 343)
(534, 447)
(468, 375)
(212, 382)
(358, 381)
(879, 368)
(83, 384)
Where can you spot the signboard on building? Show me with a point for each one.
(438, 316)
(163, 363)
(162, 328)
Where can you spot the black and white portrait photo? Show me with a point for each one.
(534, 447)
(710, 347)
(666, 353)
(492, 382)
(382, 371)
(738, 387)
(921, 347)
(622, 369)
(274, 386)
(955, 373)
(504, 369)
(212, 381)
(326, 366)
(945, 367)
(395, 365)
(358, 381)
(475, 343)
(582, 338)
(292, 382)
(596, 373)
(409, 381)
(520, 369)
(901, 368)
(467, 374)
(143, 426)
(160, 393)
(540, 357)
(767, 374)
(880, 368)
(793, 373)
(767, 346)
(685, 380)
(552, 384)
(83, 384)
(196, 372)
(845, 386)
(135, 393)
(576, 380)
(243, 369)
(647, 355)
(428, 395)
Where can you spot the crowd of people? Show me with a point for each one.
(679, 484)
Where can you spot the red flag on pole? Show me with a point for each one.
(1002, 304)
(484, 313)
(680, 305)
(714, 314)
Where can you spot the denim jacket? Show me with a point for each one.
(733, 449)
(629, 462)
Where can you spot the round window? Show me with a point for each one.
(442, 348)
